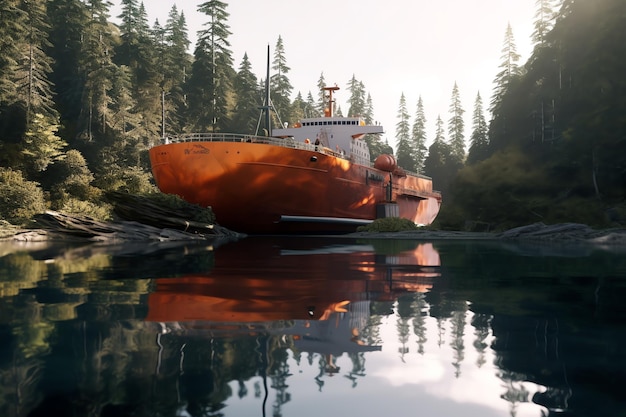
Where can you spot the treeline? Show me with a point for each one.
(554, 149)
(83, 99)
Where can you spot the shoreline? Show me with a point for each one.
(537, 232)
(65, 228)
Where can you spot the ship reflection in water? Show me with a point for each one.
(318, 297)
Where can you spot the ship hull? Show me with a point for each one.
(261, 188)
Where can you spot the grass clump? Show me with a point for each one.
(389, 224)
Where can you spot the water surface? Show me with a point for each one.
(313, 326)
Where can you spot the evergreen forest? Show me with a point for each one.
(82, 99)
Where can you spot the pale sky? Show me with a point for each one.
(413, 47)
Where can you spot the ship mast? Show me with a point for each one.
(328, 112)
(268, 119)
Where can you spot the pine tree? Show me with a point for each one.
(438, 152)
(357, 97)
(129, 26)
(544, 21)
(42, 145)
(12, 28)
(456, 125)
(311, 107)
(96, 67)
(210, 84)
(298, 108)
(440, 135)
(249, 99)
(124, 120)
(321, 96)
(374, 142)
(403, 137)
(479, 141)
(418, 137)
(69, 19)
(368, 112)
(177, 63)
(508, 69)
(33, 86)
(280, 87)
(438, 163)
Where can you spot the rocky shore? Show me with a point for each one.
(53, 226)
(563, 232)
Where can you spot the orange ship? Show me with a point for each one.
(313, 177)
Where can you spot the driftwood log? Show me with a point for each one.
(137, 208)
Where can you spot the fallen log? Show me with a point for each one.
(55, 225)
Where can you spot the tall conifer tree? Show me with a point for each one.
(249, 99)
(321, 95)
(42, 146)
(97, 68)
(418, 137)
(69, 19)
(439, 162)
(210, 84)
(508, 69)
(357, 97)
(280, 86)
(544, 21)
(12, 28)
(456, 125)
(34, 88)
(403, 137)
(479, 140)
(311, 107)
(177, 63)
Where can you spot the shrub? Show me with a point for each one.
(131, 180)
(19, 199)
(389, 224)
(101, 211)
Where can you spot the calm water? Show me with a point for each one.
(313, 327)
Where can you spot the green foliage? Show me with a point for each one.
(418, 137)
(99, 211)
(175, 204)
(19, 199)
(132, 180)
(456, 125)
(42, 146)
(72, 181)
(12, 28)
(357, 97)
(389, 224)
(210, 84)
(280, 86)
(479, 140)
(249, 99)
(403, 138)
